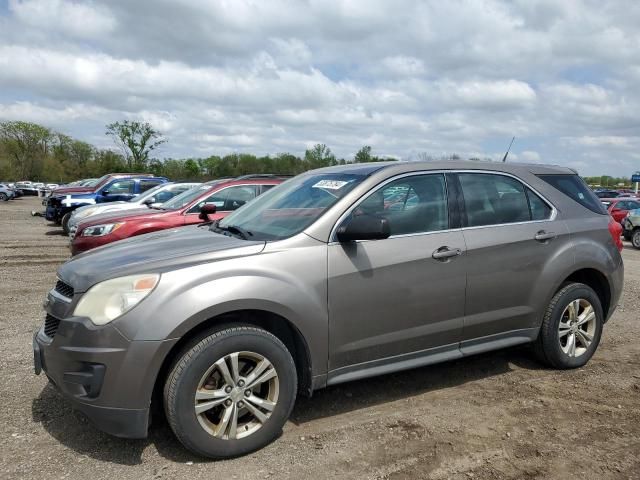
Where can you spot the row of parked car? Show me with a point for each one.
(121, 205)
(338, 274)
(10, 190)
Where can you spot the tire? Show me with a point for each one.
(4, 197)
(553, 346)
(196, 370)
(64, 222)
(635, 238)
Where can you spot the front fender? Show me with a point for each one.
(186, 298)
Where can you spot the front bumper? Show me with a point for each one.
(107, 377)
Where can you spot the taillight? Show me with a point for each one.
(615, 229)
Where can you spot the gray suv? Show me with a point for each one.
(338, 274)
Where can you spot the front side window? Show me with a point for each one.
(493, 199)
(121, 187)
(415, 204)
(185, 198)
(228, 199)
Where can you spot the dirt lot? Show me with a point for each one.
(492, 416)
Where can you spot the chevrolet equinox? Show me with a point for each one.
(338, 274)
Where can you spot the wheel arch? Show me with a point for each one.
(272, 322)
(597, 281)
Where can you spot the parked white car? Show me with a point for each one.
(151, 198)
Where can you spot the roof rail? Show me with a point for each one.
(261, 175)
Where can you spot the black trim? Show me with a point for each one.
(453, 193)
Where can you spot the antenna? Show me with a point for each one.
(504, 159)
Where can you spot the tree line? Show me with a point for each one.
(29, 151)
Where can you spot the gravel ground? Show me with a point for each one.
(493, 416)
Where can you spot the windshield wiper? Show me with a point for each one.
(233, 229)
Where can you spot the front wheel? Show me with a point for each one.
(635, 238)
(571, 328)
(65, 222)
(3, 197)
(231, 392)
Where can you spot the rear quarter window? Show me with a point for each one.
(574, 187)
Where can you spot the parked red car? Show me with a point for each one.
(619, 207)
(184, 209)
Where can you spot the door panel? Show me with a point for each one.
(505, 264)
(390, 297)
(509, 247)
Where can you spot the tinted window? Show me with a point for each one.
(228, 199)
(493, 199)
(574, 187)
(540, 210)
(411, 204)
(121, 187)
(148, 184)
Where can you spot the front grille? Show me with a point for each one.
(64, 289)
(51, 324)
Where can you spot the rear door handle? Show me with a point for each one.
(445, 252)
(542, 236)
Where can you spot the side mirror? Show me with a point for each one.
(206, 210)
(149, 201)
(363, 227)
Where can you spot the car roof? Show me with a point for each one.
(404, 166)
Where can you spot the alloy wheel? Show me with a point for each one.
(577, 327)
(237, 395)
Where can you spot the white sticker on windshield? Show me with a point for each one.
(330, 184)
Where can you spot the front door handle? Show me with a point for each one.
(543, 236)
(445, 252)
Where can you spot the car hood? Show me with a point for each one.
(71, 190)
(156, 252)
(115, 216)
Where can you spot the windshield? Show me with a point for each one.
(185, 198)
(290, 207)
(148, 194)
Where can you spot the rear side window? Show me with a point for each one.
(493, 199)
(540, 210)
(148, 184)
(574, 187)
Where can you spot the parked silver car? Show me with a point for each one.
(154, 197)
(335, 275)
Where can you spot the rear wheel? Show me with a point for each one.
(635, 238)
(65, 222)
(231, 392)
(572, 327)
(3, 197)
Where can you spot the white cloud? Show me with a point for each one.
(73, 18)
(405, 77)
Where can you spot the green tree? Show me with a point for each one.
(136, 140)
(26, 146)
(319, 156)
(192, 168)
(363, 155)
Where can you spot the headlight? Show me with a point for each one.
(100, 230)
(108, 300)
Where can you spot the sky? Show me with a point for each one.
(409, 78)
